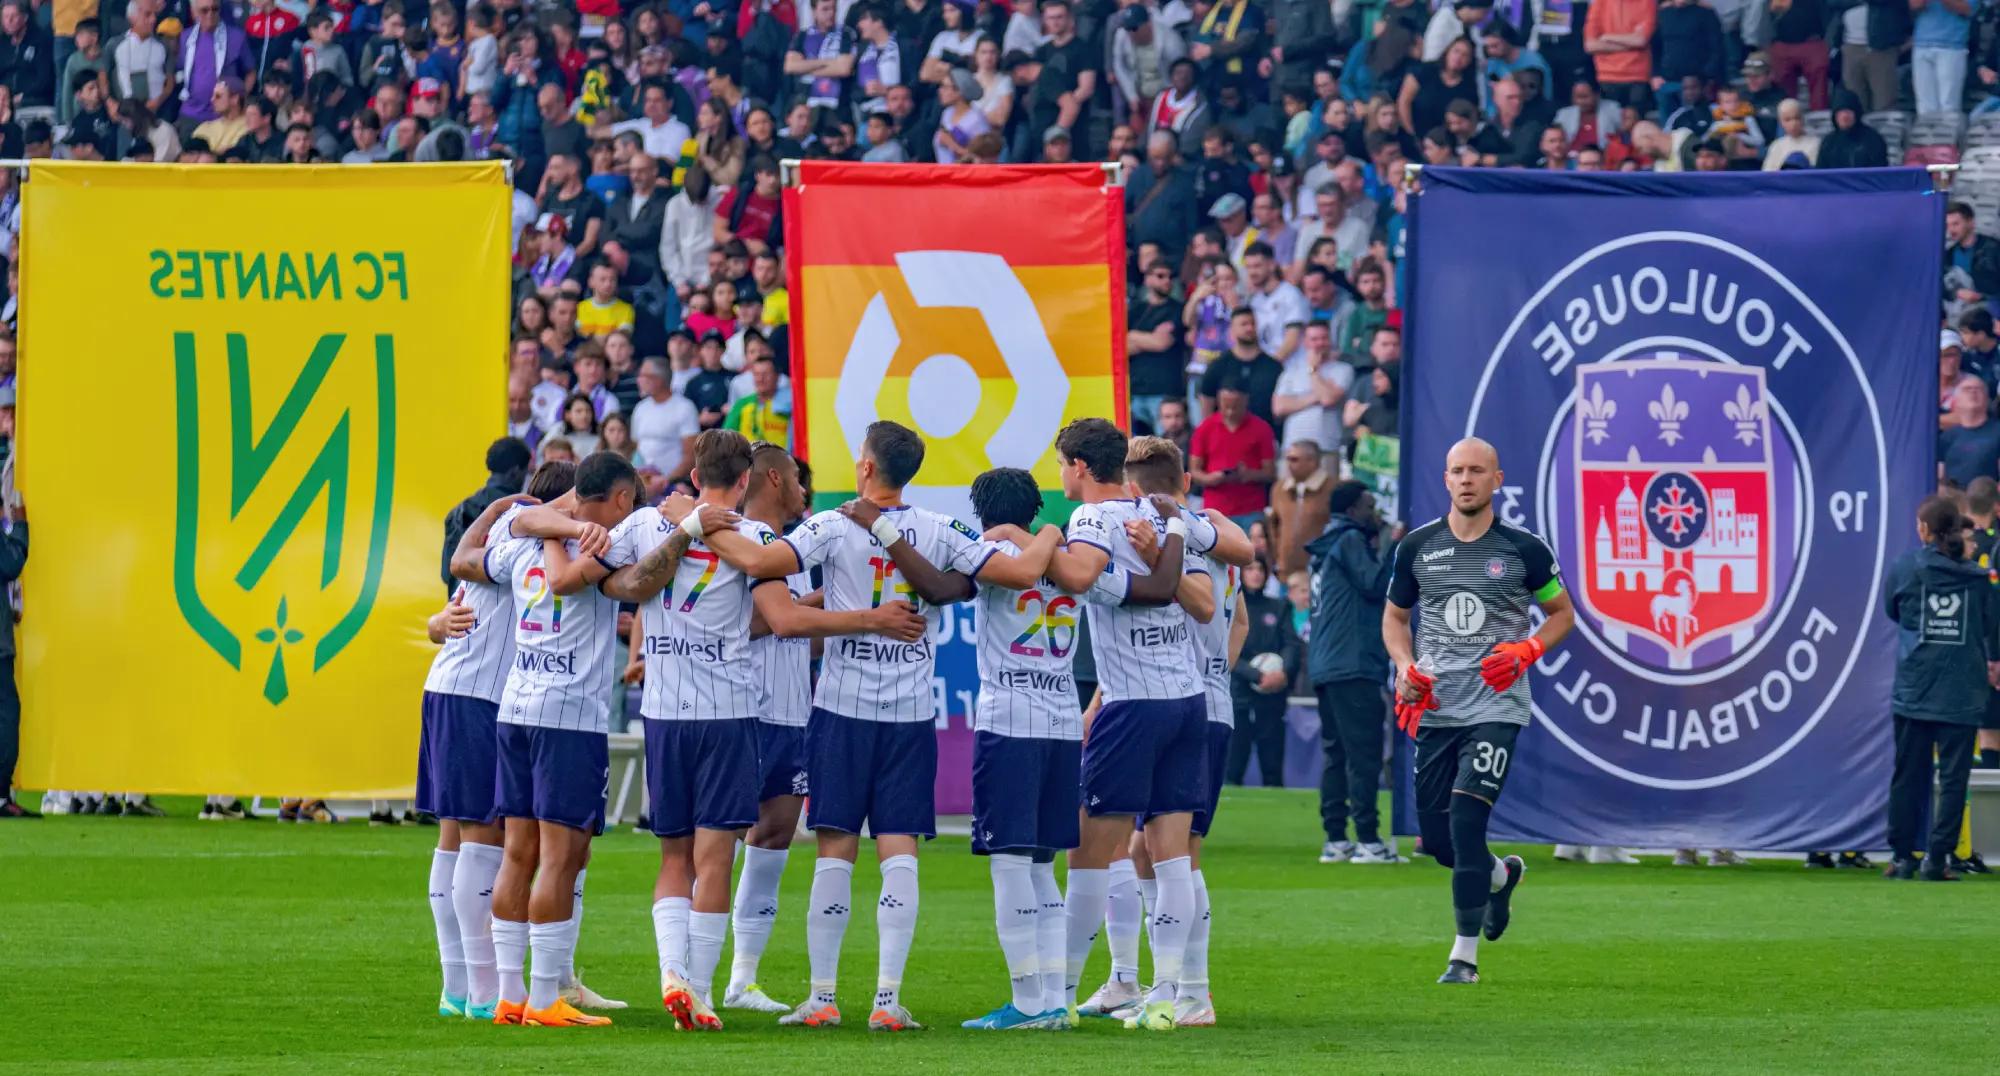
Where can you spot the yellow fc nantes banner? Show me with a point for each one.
(913, 300)
(248, 397)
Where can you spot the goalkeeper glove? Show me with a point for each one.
(1508, 661)
(1411, 714)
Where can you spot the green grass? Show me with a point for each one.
(176, 946)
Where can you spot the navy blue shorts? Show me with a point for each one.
(456, 754)
(1218, 755)
(781, 750)
(1023, 793)
(702, 775)
(552, 775)
(1147, 757)
(880, 773)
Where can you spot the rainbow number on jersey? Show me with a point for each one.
(538, 593)
(887, 581)
(694, 593)
(1055, 622)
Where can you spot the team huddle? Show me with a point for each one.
(731, 587)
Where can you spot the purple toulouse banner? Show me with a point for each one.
(1713, 396)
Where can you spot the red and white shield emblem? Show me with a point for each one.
(1674, 498)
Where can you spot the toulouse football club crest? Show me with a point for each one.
(1638, 402)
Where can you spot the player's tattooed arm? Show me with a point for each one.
(928, 581)
(1023, 570)
(1232, 545)
(468, 561)
(641, 580)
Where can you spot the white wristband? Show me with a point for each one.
(885, 532)
(1179, 526)
(692, 524)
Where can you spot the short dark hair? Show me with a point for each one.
(1978, 320)
(1154, 464)
(720, 458)
(1006, 495)
(897, 451)
(319, 18)
(768, 456)
(1259, 248)
(1960, 209)
(601, 473)
(1098, 443)
(552, 480)
(1981, 494)
(1242, 312)
(508, 454)
(729, 65)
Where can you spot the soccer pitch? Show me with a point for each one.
(173, 946)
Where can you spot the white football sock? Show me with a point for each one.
(1121, 920)
(670, 935)
(510, 957)
(1051, 933)
(756, 911)
(575, 927)
(451, 955)
(1499, 874)
(1015, 918)
(896, 925)
(1086, 913)
(826, 923)
(472, 902)
(1149, 899)
(1194, 965)
(1466, 949)
(705, 932)
(547, 941)
(1172, 917)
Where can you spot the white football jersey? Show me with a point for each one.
(1212, 639)
(1027, 643)
(874, 677)
(475, 664)
(1142, 652)
(566, 650)
(784, 669)
(697, 629)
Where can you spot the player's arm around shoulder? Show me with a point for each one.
(1086, 549)
(1022, 570)
(1232, 545)
(1161, 586)
(714, 528)
(570, 575)
(933, 584)
(791, 619)
(1196, 593)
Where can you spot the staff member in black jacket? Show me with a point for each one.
(1350, 671)
(507, 463)
(1947, 659)
(1260, 697)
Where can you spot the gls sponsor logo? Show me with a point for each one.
(1720, 590)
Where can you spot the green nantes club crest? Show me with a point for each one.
(325, 618)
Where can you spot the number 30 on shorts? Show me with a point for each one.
(1489, 758)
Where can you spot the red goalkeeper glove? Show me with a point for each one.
(1411, 714)
(1508, 661)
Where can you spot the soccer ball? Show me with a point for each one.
(1268, 662)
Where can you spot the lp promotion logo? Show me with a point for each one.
(236, 519)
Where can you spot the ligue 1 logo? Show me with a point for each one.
(1720, 589)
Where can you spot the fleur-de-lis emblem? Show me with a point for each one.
(275, 688)
(1746, 413)
(1669, 413)
(1597, 413)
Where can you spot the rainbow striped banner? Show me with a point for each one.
(983, 307)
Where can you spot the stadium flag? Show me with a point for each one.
(241, 431)
(1719, 411)
(982, 307)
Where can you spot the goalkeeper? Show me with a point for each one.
(1461, 687)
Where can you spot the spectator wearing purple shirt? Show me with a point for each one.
(209, 51)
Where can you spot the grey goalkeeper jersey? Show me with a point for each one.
(1469, 596)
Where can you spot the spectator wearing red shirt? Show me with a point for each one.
(1233, 457)
(750, 212)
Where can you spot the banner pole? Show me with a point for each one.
(1410, 174)
(788, 172)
